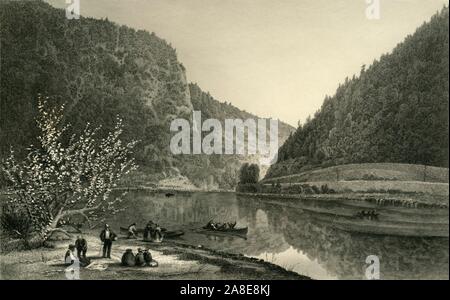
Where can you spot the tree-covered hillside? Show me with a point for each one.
(96, 68)
(395, 111)
(221, 170)
(99, 70)
(212, 108)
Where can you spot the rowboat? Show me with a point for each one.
(237, 232)
(166, 233)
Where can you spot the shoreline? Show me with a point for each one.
(153, 190)
(384, 199)
(170, 190)
(176, 261)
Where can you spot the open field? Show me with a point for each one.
(369, 172)
(362, 186)
(371, 178)
(411, 200)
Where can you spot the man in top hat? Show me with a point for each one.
(107, 236)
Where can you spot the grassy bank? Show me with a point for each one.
(288, 172)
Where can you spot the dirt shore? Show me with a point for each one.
(175, 261)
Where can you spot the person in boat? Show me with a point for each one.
(81, 246)
(128, 258)
(107, 236)
(362, 214)
(221, 226)
(211, 225)
(132, 231)
(373, 215)
(139, 260)
(230, 225)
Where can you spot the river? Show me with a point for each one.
(294, 238)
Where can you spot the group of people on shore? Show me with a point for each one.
(107, 236)
(142, 258)
(152, 231)
(81, 251)
(369, 215)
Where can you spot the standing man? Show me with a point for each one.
(107, 236)
(81, 246)
(148, 230)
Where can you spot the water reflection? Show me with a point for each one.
(291, 237)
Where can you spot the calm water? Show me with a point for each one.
(294, 238)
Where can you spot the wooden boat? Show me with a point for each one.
(138, 230)
(238, 232)
(386, 227)
(166, 233)
(172, 233)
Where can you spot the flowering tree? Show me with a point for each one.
(59, 180)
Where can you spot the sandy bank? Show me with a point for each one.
(176, 261)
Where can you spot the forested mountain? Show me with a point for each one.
(212, 108)
(99, 70)
(395, 111)
(222, 170)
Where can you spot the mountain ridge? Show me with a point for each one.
(99, 69)
(395, 111)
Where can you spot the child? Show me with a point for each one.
(70, 258)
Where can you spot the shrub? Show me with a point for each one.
(249, 173)
(249, 188)
(294, 189)
(315, 189)
(307, 189)
(15, 222)
(394, 191)
(324, 189)
(272, 189)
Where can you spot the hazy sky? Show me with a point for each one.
(274, 58)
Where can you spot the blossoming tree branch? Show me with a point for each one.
(58, 180)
